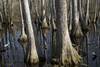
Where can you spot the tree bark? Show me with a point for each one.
(65, 50)
(84, 25)
(87, 13)
(23, 36)
(33, 58)
(76, 28)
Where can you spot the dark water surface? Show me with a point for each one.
(13, 56)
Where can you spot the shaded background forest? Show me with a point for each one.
(89, 45)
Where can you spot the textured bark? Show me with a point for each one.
(65, 50)
(87, 13)
(95, 16)
(76, 28)
(23, 36)
(33, 58)
(70, 23)
(84, 24)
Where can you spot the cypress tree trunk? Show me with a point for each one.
(65, 50)
(76, 32)
(33, 56)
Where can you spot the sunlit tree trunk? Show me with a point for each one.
(65, 50)
(87, 13)
(33, 56)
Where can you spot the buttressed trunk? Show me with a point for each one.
(76, 28)
(67, 54)
(33, 57)
(23, 37)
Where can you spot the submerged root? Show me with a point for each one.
(31, 57)
(72, 56)
(76, 58)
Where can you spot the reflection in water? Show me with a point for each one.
(13, 56)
